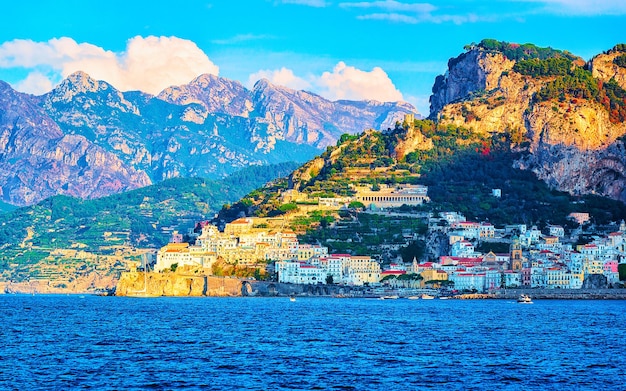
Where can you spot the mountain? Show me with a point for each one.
(86, 139)
(566, 114)
(279, 113)
(38, 159)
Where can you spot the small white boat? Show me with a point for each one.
(427, 297)
(524, 299)
(413, 297)
(292, 298)
(390, 297)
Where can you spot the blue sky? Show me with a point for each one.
(383, 50)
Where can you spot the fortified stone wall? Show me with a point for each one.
(173, 284)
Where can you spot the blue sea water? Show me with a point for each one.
(114, 343)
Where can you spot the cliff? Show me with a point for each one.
(604, 67)
(571, 141)
(38, 159)
(180, 284)
(167, 284)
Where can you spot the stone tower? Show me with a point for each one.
(517, 259)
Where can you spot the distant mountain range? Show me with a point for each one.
(87, 139)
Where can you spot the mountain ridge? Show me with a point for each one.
(126, 140)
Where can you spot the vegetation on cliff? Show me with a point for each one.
(527, 51)
(579, 83)
(548, 67)
(620, 61)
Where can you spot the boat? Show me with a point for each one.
(524, 299)
(292, 298)
(427, 297)
(390, 297)
(413, 297)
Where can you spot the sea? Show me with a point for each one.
(58, 342)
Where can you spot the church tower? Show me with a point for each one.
(517, 258)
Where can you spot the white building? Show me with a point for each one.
(462, 248)
(295, 272)
(468, 281)
(556, 230)
(183, 255)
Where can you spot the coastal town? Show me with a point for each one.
(537, 257)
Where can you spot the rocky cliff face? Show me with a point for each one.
(571, 143)
(476, 70)
(87, 139)
(215, 94)
(604, 68)
(281, 114)
(39, 160)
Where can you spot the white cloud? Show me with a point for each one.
(148, 64)
(411, 13)
(392, 17)
(283, 76)
(310, 3)
(392, 5)
(582, 7)
(35, 83)
(347, 82)
(344, 82)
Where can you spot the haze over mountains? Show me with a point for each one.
(87, 139)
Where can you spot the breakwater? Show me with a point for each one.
(548, 294)
(563, 294)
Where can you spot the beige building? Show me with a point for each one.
(393, 197)
(361, 269)
(183, 255)
(239, 226)
(433, 275)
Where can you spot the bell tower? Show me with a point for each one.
(517, 258)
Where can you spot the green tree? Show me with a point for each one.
(621, 268)
(329, 279)
(356, 205)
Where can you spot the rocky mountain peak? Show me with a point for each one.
(86, 131)
(472, 71)
(216, 94)
(79, 83)
(81, 88)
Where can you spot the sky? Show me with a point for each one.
(385, 50)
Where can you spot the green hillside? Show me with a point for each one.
(141, 218)
(460, 171)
